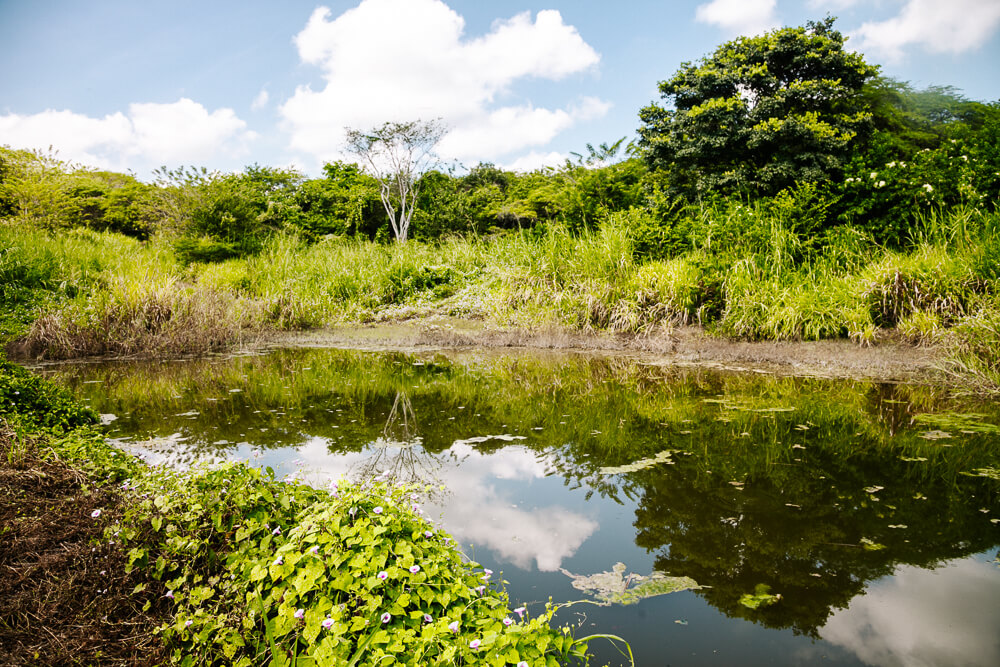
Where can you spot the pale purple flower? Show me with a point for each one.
(188, 623)
(383, 575)
(169, 595)
(314, 550)
(386, 617)
(453, 626)
(279, 561)
(414, 569)
(428, 533)
(523, 663)
(299, 613)
(474, 644)
(508, 621)
(377, 510)
(480, 589)
(276, 531)
(520, 612)
(428, 618)
(352, 511)
(95, 514)
(327, 623)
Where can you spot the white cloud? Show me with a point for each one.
(149, 135)
(397, 60)
(739, 17)
(534, 160)
(489, 517)
(475, 509)
(945, 616)
(940, 27)
(833, 4)
(261, 100)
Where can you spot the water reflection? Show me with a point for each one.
(815, 488)
(924, 617)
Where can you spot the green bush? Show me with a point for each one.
(264, 571)
(37, 403)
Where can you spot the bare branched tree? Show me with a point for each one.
(397, 154)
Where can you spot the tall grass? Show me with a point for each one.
(103, 293)
(755, 275)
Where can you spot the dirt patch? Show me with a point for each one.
(64, 596)
(889, 361)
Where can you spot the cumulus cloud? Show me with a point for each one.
(924, 617)
(534, 160)
(398, 60)
(939, 27)
(739, 17)
(150, 134)
(476, 510)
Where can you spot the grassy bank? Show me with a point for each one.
(229, 565)
(752, 276)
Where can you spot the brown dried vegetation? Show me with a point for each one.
(64, 596)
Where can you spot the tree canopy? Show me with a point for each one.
(760, 113)
(397, 154)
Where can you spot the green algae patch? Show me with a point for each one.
(615, 587)
(761, 597)
(665, 457)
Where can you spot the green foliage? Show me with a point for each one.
(265, 572)
(37, 403)
(761, 597)
(219, 216)
(889, 199)
(41, 190)
(760, 114)
(106, 201)
(344, 203)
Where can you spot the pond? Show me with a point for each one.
(794, 519)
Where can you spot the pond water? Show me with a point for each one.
(848, 522)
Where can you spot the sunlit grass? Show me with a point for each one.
(104, 293)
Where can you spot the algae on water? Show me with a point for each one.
(666, 456)
(615, 587)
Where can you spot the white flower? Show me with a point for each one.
(881, 184)
(928, 187)
(874, 174)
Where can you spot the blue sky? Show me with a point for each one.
(130, 85)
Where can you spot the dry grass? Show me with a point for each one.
(64, 596)
(169, 321)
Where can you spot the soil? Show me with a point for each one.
(888, 360)
(64, 596)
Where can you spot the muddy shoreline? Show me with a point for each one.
(888, 361)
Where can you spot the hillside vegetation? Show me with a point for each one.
(783, 190)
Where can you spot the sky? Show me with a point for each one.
(131, 86)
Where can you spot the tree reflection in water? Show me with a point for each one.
(398, 455)
(813, 487)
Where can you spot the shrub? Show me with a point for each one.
(261, 570)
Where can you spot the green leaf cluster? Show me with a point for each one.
(760, 113)
(267, 572)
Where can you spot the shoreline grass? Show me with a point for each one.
(86, 293)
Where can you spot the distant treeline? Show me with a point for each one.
(789, 121)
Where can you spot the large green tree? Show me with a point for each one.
(760, 113)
